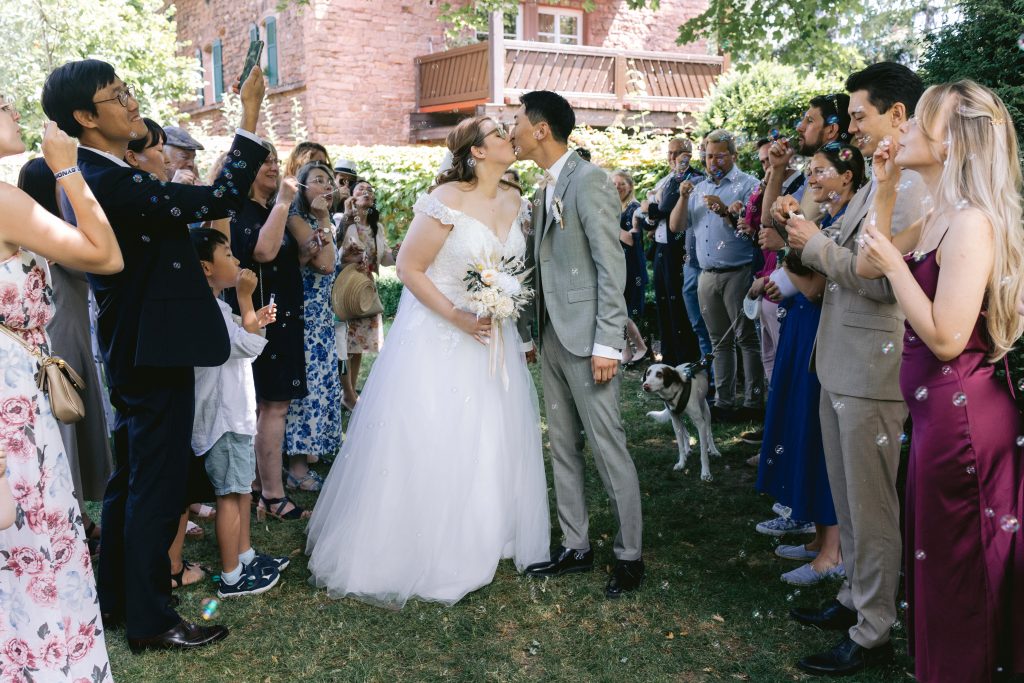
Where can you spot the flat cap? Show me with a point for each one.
(179, 137)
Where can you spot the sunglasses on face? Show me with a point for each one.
(500, 130)
(9, 108)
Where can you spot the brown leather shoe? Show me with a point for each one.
(185, 635)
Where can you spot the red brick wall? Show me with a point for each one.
(350, 62)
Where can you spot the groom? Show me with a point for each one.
(579, 276)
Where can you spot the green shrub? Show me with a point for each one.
(389, 287)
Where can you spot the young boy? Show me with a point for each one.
(225, 420)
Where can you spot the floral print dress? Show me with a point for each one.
(313, 424)
(50, 627)
(366, 335)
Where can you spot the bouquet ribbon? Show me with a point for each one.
(496, 355)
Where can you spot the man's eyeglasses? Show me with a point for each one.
(122, 96)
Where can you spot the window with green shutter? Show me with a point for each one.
(218, 72)
(271, 52)
(254, 33)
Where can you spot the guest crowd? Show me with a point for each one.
(875, 269)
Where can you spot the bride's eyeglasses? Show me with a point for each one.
(500, 130)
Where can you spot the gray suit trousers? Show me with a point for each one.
(862, 475)
(575, 407)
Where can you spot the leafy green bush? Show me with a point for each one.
(750, 103)
(389, 287)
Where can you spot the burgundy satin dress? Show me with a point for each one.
(963, 554)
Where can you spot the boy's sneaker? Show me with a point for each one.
(781, 526)
(268, 562)
(754, 437)
(251, 583)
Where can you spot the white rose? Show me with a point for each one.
(488, 276)
(504, 309)
(508, 284)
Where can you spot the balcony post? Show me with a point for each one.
(620, 81)
(496, 57)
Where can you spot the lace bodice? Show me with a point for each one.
(469, 242)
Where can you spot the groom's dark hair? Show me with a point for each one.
(553, 109)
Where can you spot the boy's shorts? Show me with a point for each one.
(231, 464)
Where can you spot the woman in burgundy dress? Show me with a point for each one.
(958, 286)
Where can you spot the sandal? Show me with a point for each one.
(295, 483)
(178, 579)
(274, 506)
(193, 530)
(204, 512)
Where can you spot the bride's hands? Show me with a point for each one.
(477, 328)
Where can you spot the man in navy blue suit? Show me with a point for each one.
(157, 321)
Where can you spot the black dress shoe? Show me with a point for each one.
(184, 636)
(627, 576)
(833, 617)
(565, 561)
(847, 657)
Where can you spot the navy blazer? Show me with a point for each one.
(159, 312)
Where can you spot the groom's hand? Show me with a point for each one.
(531, 355)
(604, 368)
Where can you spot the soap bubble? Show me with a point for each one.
(1009, 524)
(781, 313)
(832, 120)
(845, 154)
(779, 450)
(887, 347)
(971, 469)
(989, 512)
(946, 370)
(920, 554)
(1020, 440)
(882, 440)
(210, 607)
(959, 399)
(921, 393)
(961, 204)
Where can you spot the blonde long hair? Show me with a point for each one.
(983, 168)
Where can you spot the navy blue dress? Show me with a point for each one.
(636, 264)
(280, 371)
(792, 466)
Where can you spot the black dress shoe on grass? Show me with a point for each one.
(565, 561)
(184, 636)
(833, 617)
(846, 658)
(626, 577)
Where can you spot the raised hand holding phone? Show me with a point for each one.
(252, 58)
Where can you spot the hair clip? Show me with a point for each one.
(997, 122)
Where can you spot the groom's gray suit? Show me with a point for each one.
(579, 274)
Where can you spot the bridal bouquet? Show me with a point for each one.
(495, 290)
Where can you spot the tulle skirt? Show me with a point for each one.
(441, 473)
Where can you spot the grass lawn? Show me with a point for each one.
(713, 607)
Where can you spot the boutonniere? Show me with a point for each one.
(556, 211)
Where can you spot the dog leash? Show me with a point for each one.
(705, 361)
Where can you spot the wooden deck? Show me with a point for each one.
(604, 86)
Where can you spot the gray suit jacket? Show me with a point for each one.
(859, 316)
(579, 269)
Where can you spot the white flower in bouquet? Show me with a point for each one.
(488, 276)
(507, 283)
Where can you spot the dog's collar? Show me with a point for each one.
(678, 404)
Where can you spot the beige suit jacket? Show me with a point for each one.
(860, 317)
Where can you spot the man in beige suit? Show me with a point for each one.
(579, 273)
(857, 356)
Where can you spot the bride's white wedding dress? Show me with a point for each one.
(441, 474)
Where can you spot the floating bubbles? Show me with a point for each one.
(210, 607)
(971, 469)
(1006, 281)
(921, 393)
(779, 450)
(887, 347)
(774, 133)
(832, 120)
(989, 512)
(946, 370)
(833, 286)
(961, 204)
(920, 554)
(721, 244)
(882, 440)
(903, 437)
(838, 405)
(1020, 41)
(781, 313)
(833, 196)
(1009, 524)
(903, 604)
(845, 154)
(885, 142)
(1020, 441)
(959, 399)
(911, 338)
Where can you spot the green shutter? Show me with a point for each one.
(272, 77)
(254, 33)
(201, 90)
(218, 72)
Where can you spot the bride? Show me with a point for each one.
(441, 474)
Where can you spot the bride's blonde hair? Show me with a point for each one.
(982, 168)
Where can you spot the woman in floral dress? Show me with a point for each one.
(313, 424)
(363, 242)
(50, 627)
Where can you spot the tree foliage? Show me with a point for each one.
(137, 36)
(983, 46)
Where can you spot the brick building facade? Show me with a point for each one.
(348, 65)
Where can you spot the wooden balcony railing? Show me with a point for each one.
(498, 71)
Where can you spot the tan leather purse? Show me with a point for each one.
(57, 380)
